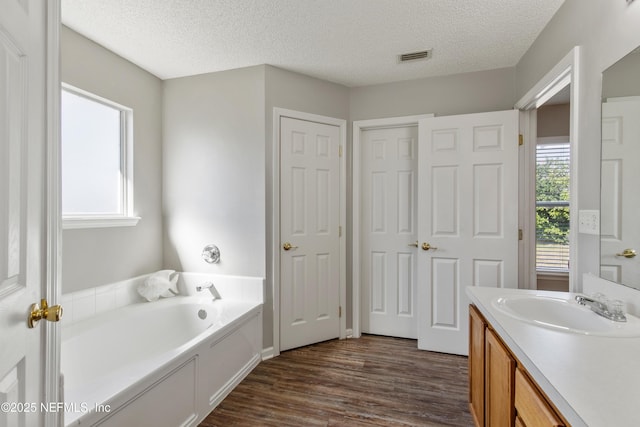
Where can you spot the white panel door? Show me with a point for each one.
(389, 231)
(619, 225)
(22, 144)
(468, 222)
(309, 232)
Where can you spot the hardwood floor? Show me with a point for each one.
(370, 381)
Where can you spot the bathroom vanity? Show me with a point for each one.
(573, 368)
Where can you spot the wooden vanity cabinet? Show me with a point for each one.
(501, 393)
(531, 405)
(477, 328)
(499, 380)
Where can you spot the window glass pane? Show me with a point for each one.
(91, 156)
(552, 207)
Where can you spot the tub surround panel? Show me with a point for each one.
(88, 303)
(81, 305)
(244, 288)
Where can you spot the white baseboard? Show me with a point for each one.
(267, 353)
(349, 333)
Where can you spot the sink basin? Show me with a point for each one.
(564, 315)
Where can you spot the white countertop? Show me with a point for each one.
(593, 380)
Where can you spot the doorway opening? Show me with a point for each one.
(548, 247)
(552, 193)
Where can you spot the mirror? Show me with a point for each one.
(620, 172)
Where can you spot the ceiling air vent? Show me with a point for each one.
(414, 56)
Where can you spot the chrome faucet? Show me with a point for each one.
(611, 310)
(211, 287)
(206, 285)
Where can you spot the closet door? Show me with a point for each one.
(468, 219)
(389, 159)
(309, 232)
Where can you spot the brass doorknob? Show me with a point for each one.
(286, 246)
(628, 253)
(43, 311)
(426, 247)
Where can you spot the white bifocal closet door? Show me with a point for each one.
(389, 161)
(468, 219)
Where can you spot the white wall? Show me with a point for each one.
(606, 31)
(553, 120)
(214, 171)
(492, 90)
(94, 257)
(622, 77)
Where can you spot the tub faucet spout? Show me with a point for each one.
(207, 285)
(211, 287)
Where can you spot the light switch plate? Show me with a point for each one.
(589, 222)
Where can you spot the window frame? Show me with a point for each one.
(126, 217)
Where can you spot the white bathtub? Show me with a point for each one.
(164, 363)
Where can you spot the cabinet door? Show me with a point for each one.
(477, 327)
(500, 370)
(532, 407)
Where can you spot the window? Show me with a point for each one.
(97, 174)
(552, 207)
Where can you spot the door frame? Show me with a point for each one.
(566, 71)
(358, 127)
(53, 215)
(278, 113)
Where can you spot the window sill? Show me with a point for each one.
(552, 274)
(76, 222)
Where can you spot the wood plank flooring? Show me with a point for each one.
(370, 381)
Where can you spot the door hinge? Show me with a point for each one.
(339, 311)
(340, 231)
(340, 151)
(520, 234)
(520, 139)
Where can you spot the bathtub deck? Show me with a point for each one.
(377, 381)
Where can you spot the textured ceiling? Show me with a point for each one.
(352, 42)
